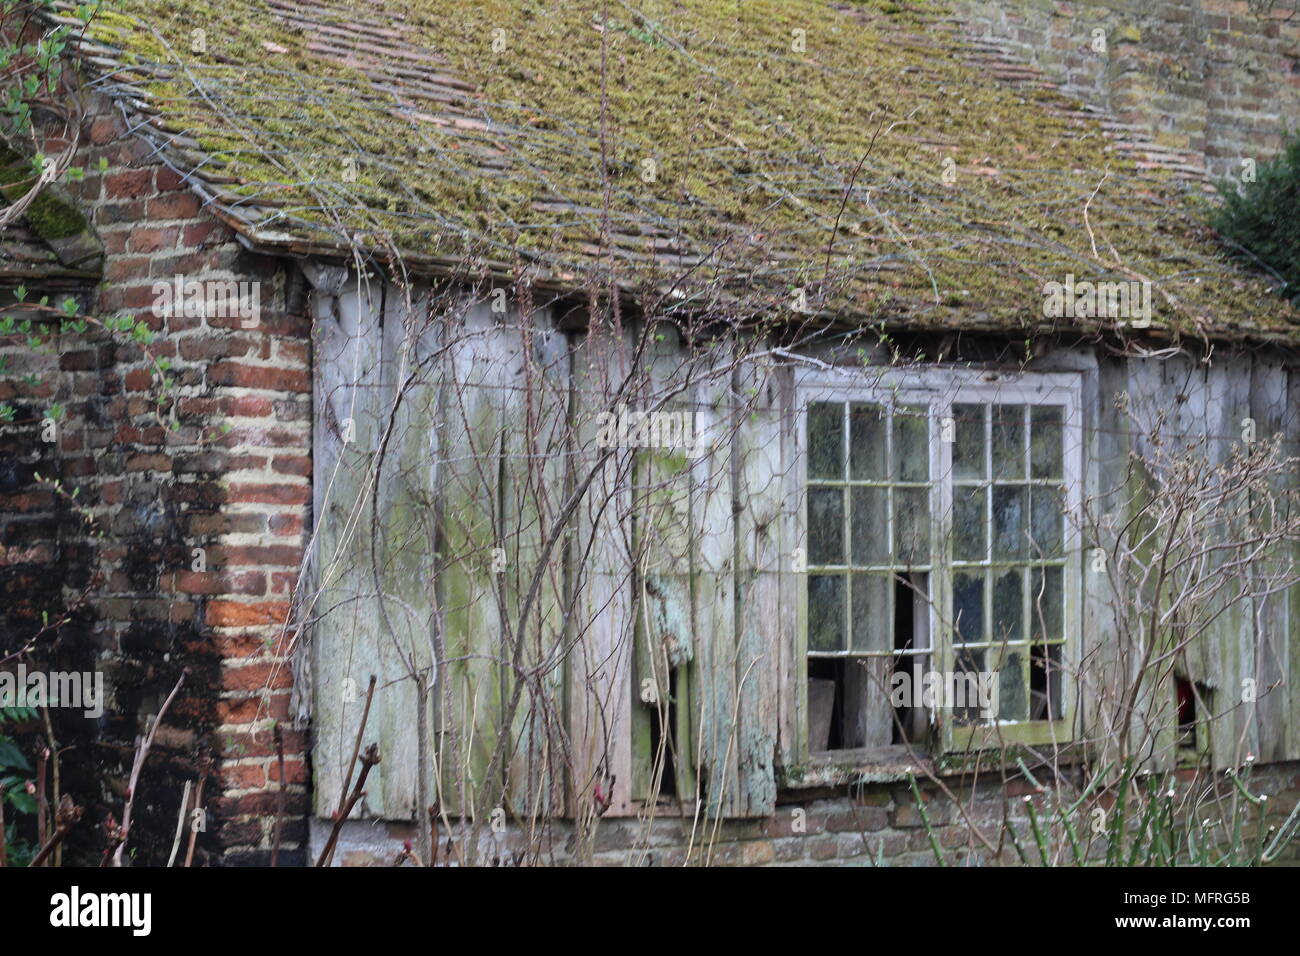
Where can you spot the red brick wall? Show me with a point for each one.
(1209, 75)
(227, 472)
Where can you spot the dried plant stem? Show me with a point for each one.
(368, 760)
(65, 818)
(142, 752)
(198, 802)
(356, 745)
(180, 824)
(42, 819)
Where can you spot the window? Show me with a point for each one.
(941, 590)
(870, 556)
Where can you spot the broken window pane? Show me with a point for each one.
(1008, 606)
(872, 616)
(826, 525)
(870, 527)
(913, 718)
(968, 606)
(911, 444)
(1008, 441)
(825, 696)
(1010, 523)
(1047, 604)
(911, 526)
(968, 458)
(826, 612)
(826, 441)
(969, 524)
(867, 442)
(911, 612)
(1045, 682)
(1045, 453)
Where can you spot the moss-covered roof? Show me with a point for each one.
(863, 152)
(52, 239)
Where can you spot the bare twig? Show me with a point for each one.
(356, 746)
(42, 820)
(180, 823)
(65, 818)
(198, 804)
(368, 760)
(142, 752)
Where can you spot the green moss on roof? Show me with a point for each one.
(49, 216)
(447, 126)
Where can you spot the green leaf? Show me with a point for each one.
(23, 801)
(11, 756)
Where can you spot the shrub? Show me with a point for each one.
(1262, 218)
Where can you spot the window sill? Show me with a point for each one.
(992, 737)
(895, 764)
(843, 767)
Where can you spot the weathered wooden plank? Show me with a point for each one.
(601, 632)
(1105, 458)
(788, 672)
(757, 470)
(1235, 732)
(353, 392)
(476, 385)
(665, 646)
(537, 439)
(1268, 398)
(714, 610)
(1292, 431)
(1151, 738)
(1188, 405)
(396, 557)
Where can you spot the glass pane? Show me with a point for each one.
(911, 444)
(1011, 686)
(871, 613)
(867, 442)
(1008, 441)
(969, 524)
(825, 525)
(1010, 523)
(969, 662)
(826, 612)
(1045, 682)
(1047, 604)
(968, 460)
(1045, 437)
(1008, 605)
(870, 529)
(911, 526)
(1045, 521)
(825, 440)
(968, 607)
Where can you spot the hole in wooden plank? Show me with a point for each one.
(663, 737)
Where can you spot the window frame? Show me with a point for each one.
(938, 390)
